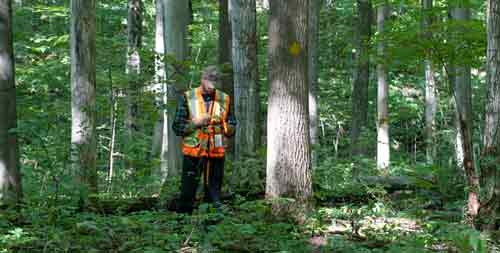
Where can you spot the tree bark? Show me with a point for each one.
(490, 155)
(10, 177)
(160, 137)
(383, 147)
(244, 56)
(462, 93)
(83, 97)
(288, 151)
(177, 18)
(359, 98)
(133, 70)
(313, 40)
(430, 88)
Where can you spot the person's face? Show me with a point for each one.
(208, 86)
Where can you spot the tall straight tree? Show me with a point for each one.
(244, 53)
(430, 87)
(225, 48)
(134, 39)
(177, 18)
(83, 97)
(314, 11)
(10, 178)
(383, 147)
(490, 157)
(359, 96)
(160, 138)
(463, 97)
(288, 151)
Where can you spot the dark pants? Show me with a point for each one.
(192, 169)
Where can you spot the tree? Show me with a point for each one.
(383, 145)
(462, 94)
(314, 11)
(490, 155)
(430, 87)
(288, 150)
(160, 137)
(134, 39)
(10, 178)
(177, 18)
(359, 97)
(83, 95)
(244, 57)
(225, 48)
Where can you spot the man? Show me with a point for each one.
(204, 120)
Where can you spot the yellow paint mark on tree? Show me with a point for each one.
(295, 48)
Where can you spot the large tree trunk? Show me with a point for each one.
(10, 178)
(160, 137)
(313, 40)
(177, 18)
(490, 157)
(133, 70)
(462, 93)
(244, 52)
(359, 117)
(288, 150)
(383, 147)
(430, 88)
(83, 100)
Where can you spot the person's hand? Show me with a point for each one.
(201, 121)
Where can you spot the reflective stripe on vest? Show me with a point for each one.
(209, 140)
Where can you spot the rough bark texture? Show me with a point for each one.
(462, 93)
(244, 52)
(430, 88)
(490, 157)
(177, 18)
(383, 147)
(83, 104)
(288, 151)
(10, 178)
(313, 40)
(160, 137)
(362, 75)
(225, 47)
(134, 37)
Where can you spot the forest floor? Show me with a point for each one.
(403, 221)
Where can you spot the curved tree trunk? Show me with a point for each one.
(10, 178)
(359, 117)
(462, 93)
(83, 103)
(490, 157)
(383, 147)
(288, 151)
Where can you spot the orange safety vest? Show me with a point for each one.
(207, 141)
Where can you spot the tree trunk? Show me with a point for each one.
(430, 88)
(462, 93)
(10, 178)
(177, 18)
(244, 52)
(288, 151)
(313, 40)
(133, 70)
(83, 97)
(362, 75)
(160, 137)
(383, 147)
(490, 156)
